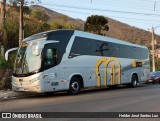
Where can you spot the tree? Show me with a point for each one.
(61, 24)
(39, 15)
(21, 21)
(12, 34)
(157, 63)
(96, 24)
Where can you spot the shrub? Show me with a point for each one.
(3, 63)
(7, 64)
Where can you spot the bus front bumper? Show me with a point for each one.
(25, 85)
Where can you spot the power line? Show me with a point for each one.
(107, 10)
(123, 5)
(127, 4)
(131, 19)
(145, 2)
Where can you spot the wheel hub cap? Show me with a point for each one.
(75, 86)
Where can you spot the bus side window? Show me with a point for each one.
(102, 48)
(134, 53)
(50, 58)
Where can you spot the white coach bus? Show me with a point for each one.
(71, 60)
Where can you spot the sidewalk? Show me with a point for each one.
(8, 94)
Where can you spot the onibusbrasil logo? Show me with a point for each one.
(21, 115)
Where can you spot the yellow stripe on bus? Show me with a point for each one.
(106, 63)
(113, 74)
(98, 74)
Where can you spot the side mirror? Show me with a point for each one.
(8, 51)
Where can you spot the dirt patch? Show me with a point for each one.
(5, 79)
(2, 72)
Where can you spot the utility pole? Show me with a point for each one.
(3, 14)
(21, 22)
(153, 51)
(153, 48)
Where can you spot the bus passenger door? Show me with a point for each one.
(50, 68)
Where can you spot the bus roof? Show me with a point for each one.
(81, 34)
(45, 34)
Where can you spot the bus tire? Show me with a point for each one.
(74, 87)
(134, 81)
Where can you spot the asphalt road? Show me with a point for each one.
(145, 98)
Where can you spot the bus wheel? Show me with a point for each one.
(74, 87)
(134, 81)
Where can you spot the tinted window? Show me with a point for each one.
(144, 53)
(102, 48)
(83, 46)
(50, 56)
(119, 50)
(63, 36)
(86, 46)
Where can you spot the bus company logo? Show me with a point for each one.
(6, 115)
(106, 62)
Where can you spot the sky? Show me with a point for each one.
(139, 13)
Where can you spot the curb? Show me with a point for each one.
(8, 94)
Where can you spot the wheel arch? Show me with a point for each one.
(136, 74)
(80, 77)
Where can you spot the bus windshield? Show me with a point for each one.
(27, 61)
